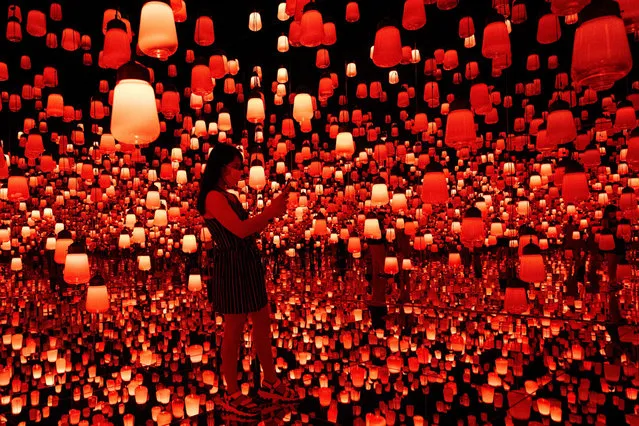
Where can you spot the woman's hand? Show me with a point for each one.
(279, 204)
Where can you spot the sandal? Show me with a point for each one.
(277, 391)
(240, 405)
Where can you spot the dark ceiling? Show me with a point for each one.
(79, 83)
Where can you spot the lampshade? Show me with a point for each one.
(157, 35)
(532, 268)
(195, 282)
(61, 246)
(601, 53)
(434, 185)
(76, 265)
(134, 97)
(97, 299)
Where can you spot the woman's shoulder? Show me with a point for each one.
(215, 193)
(213, 198)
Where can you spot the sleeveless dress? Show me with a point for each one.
(237, 284)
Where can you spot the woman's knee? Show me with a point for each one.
(234, 323)
(261, 320)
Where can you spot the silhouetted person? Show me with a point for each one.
(237, 286)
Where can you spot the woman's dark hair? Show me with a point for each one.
(220, 156)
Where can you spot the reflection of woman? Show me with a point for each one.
(377, 255)
(237, 286)
(610, 224)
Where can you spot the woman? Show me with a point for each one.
(237, 285)
(378, 280)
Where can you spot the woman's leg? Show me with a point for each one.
(262, 338)
(233, 327)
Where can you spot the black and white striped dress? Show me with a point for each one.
(237, 284)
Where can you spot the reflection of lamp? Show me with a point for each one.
(575, 184)
(379, 194)
(371, 227)
(472, 226)
(399, 201)
(153, 198)
(18, 188)
(16, 264)
(97, 295)
(532, 268)
(144, 262)
(319, 228)
(51, 243)
(76, 265)
(391, 265)
(61, 245)
(124, 242)
(138, 236)
(195, 282)
(606, 240)
(160, 218)
(189, 244)
(192, 405)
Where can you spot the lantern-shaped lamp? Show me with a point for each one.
(134, 97)
(97, 295)
(76, 265)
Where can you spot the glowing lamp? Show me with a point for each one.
(319, 227)
(192, 405)
(371, 228)
(134, 97)
(434, 185)
(76, 265)
(195, 282)
(460, 125)
(600, 65)
(62, 244)
(387, 50)
(16, 264)
(379, 194)
(144, 262)
(472, 226)
(515, 300)
(157, 35)
(302, 107)
(575, 184)
(18, 188)
(532, 268)
(391, 265)
(97, 299)
(255, 110)
(257, 177)
(344, 145)
(189, 244)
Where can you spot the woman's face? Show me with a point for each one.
(232, 172)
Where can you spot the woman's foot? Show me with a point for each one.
(277, 391)
(240, 405)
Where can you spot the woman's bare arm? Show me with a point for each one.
(218, 207)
